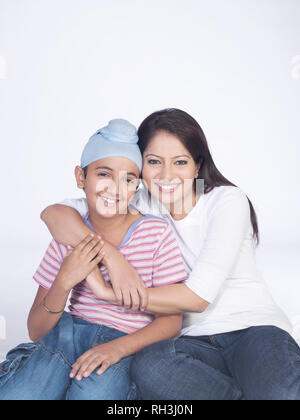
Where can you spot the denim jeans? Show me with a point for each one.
(40, 371)
(258, 363)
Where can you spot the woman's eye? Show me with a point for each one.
(153, 162)
(181, 162)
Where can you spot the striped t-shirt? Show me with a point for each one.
(152, 249)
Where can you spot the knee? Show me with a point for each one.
(149, 361)
(114, 384)
(282, 393)
(141, 365)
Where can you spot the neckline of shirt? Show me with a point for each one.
(129, 232)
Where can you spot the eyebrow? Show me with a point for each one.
(175, 157)
(104, 167)
(111, 170)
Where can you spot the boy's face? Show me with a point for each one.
(110, 184)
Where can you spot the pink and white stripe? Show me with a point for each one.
(152, 249)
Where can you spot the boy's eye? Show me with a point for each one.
(132, 181)
(102, 174)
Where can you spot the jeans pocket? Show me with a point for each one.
(15, 360)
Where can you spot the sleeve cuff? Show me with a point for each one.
(208, 285)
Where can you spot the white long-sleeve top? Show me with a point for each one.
(216, 241)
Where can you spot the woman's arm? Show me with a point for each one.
(67, 227)
(65, 224)
(227, 226)
(172, 299)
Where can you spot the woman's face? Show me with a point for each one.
(169, 172)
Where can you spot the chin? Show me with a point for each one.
(109, 213)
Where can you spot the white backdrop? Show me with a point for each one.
(69, 66)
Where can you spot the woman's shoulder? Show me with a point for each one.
(226, 196)
(225, 193)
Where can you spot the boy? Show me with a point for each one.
(95, 335)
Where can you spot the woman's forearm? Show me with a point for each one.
(65, 224)
(172, 299)
(175, 299)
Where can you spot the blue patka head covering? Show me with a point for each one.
(118, 138)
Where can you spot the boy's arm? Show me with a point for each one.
(51, 299)
(105, 355)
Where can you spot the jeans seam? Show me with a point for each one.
(97, 336)
(57, 352)
(292, 364)
(7, 372)
(132, 392)
(203, 345)
(174, 341)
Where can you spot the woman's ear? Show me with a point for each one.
(80, 178)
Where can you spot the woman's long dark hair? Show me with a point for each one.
(189, 132)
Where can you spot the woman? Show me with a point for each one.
(236, 342)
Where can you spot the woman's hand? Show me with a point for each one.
(129, 289)
(104, 355)
(99, 286)
(80, 262)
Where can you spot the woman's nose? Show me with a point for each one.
(166, 173)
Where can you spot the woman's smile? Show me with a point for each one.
(167, 188)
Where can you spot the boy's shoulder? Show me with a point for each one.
(150, 226)
(152, 222)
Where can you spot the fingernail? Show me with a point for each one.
(86, 374)
(78, 378)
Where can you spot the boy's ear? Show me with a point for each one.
(80, 178)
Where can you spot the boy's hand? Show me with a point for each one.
(128, 287)
(80, 262)
(104, 355)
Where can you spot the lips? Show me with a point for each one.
(167, 188)
(109, 202)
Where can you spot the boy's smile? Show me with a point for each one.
(108, 202)
(109, 185)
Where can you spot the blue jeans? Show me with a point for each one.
(40, 371)
(259, 363)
